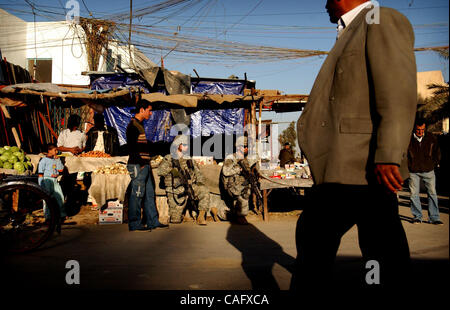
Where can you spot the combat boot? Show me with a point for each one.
(214, 214)
(201, 218)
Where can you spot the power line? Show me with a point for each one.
(90, 13)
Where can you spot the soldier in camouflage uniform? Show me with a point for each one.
(176, 196)
(234, 182)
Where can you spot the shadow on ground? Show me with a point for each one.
(259, 254)
(287, 199)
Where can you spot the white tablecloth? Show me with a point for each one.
(88, 164)
(108, 186)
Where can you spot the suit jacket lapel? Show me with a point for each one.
(324, 79)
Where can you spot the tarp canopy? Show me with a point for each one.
(207, 107)
(202, 123)
(13, 95)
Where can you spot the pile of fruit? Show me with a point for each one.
(113, 169)
(94, 154)
(11, 157)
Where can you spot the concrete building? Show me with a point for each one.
(58, 50)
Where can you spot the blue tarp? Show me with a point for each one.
(157, 128)
(116, 81)
(208, 122)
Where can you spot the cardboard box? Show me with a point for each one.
(113, 214)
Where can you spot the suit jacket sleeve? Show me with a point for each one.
(392, 68)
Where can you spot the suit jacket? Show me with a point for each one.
(362, 106)
(110, 140)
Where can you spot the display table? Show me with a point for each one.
(88, 164)
(108, 186)
(267, 184)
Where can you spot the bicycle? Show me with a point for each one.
(24, 226)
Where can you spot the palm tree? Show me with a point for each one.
(436, 108)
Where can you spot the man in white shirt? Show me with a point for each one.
(72, 140)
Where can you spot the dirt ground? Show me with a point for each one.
(89, 215)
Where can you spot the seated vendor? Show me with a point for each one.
(102, 138)
(72, 140)
(286, 155)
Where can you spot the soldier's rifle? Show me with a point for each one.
(185, 179)
(252, 178)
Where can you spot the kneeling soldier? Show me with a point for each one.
(237, 186)
(184, 184)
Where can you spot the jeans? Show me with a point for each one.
(141, 189)
(52, 186)
(429, 180)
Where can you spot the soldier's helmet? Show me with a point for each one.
(242, 141)
(180, 139)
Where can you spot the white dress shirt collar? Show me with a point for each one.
(348, 17)
(418, 138)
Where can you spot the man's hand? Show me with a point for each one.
(389, 176)
(76, 150)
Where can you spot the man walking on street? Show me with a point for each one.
(354, 132)
(423, 156)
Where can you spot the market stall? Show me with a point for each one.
(211, 106)
(282, 178)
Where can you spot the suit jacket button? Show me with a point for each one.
(323, 124)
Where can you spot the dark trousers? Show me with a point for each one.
(332, 209)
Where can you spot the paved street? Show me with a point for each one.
(219, 256)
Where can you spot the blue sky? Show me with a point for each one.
(293, 24)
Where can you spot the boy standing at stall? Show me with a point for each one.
(50, 167)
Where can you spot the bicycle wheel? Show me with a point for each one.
(24, 226)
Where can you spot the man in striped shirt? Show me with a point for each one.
(140, 173)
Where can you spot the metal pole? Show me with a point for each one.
(129, 34)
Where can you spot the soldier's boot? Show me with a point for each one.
(201, 218)
(214, 214)
(241, 220)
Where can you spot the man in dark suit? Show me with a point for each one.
(355, 131)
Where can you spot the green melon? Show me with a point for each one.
(7, 165)
(20, 156)
(13, 159)
(19, 167)
(5, 156)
